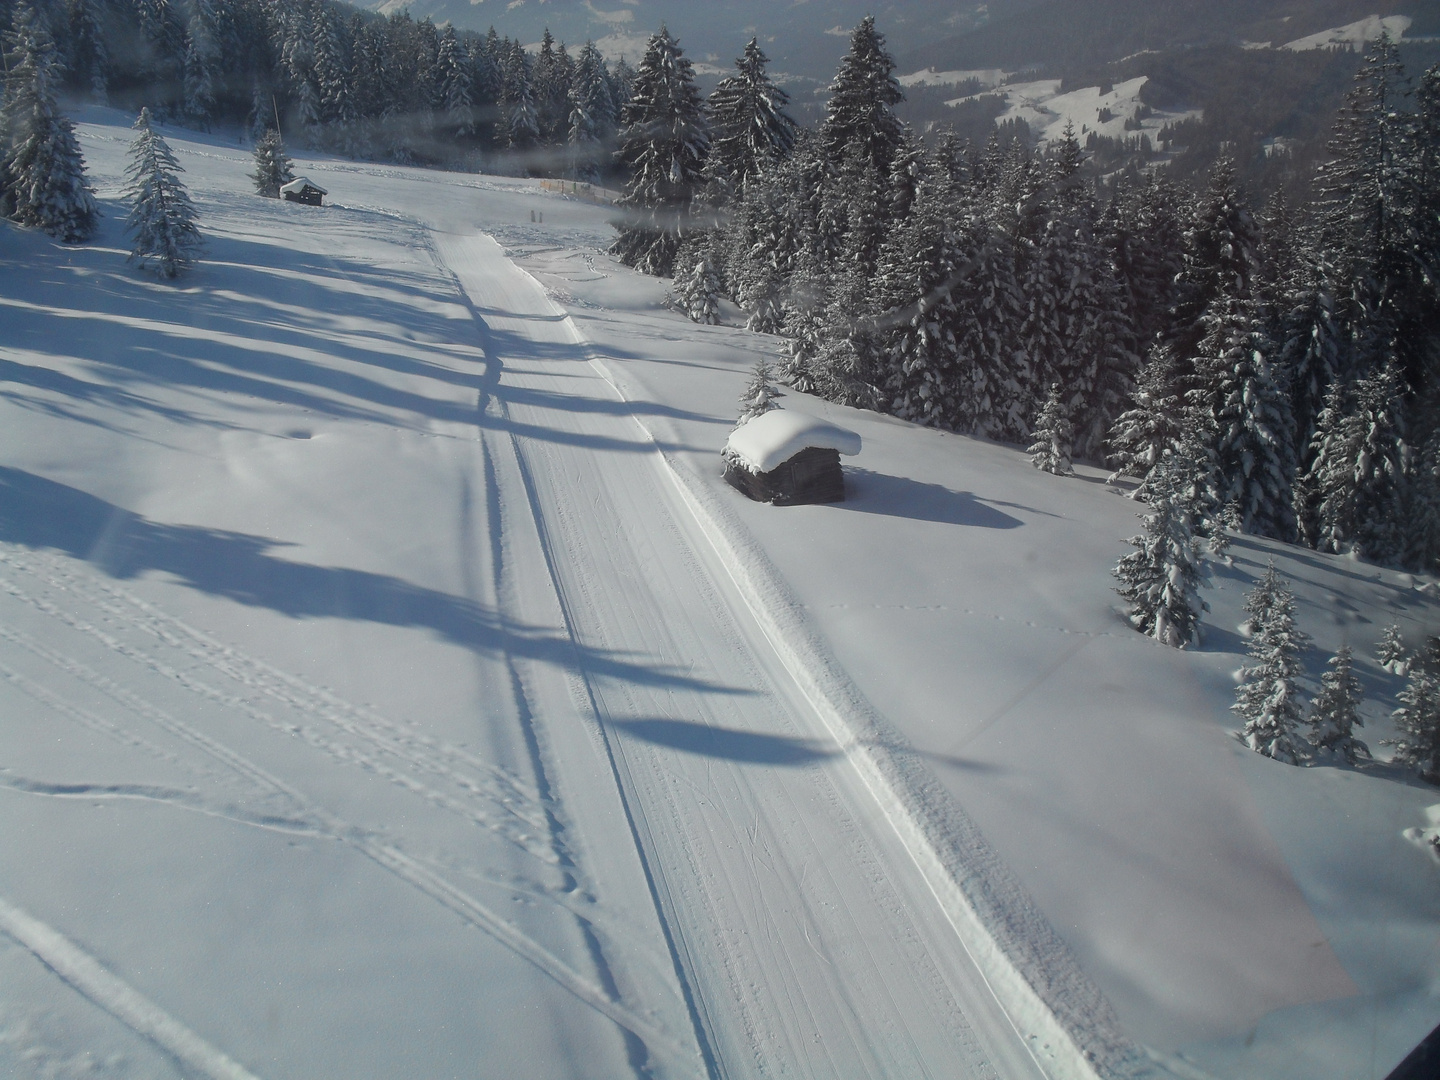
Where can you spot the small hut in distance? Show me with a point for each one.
(303, 191)
(788, 458)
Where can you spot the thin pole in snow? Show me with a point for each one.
(276, 107)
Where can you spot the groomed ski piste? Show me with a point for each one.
(391, 686)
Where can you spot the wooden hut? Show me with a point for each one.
(788, 458)
(302, 190)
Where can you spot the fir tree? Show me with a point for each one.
(861, 110)
(1160, 580)
(1333, 714)
(664, 144)
(273, 169)
(1252, 420)
(1142, 436)
(1267, 697)
(751, 130)
(760, 393)
(1391, 651)
(42, 174)
(1051, 450)
(696, 293)
(1359, 468)
(162, 218)
(1418, 722)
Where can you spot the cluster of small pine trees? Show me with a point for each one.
(344, 79)
(1270, 702)
(42, 173)
(1000, 292)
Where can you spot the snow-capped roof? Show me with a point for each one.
(299, 184)
(780, 434)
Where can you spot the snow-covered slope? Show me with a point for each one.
(1355, 36)
(1047, 111)
(391, 686)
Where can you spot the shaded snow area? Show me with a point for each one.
(391, 686)
(1047, 111)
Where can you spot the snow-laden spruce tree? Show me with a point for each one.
(664, 144)
(696, 293)
(760, 393)
(1333, 713)
(273, 169)
(1251, 413)
(162, 217)
(1391, 651)
(1053, 436)
(751, 129)
(1418, 722)
(861, 109)
(1358, 474)
(1267, 697)
(1160, 580)
(42, 174)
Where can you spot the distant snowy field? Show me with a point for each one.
(392, 687)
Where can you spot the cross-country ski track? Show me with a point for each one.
(665, 858)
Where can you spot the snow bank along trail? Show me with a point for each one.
(806, 940)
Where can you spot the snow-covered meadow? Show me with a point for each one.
(392, 687)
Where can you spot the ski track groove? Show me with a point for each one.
(644, 801)
(305, 816)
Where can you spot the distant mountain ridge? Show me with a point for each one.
(1061, 35)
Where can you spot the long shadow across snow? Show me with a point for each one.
(40, 513)
(758, 747)
(322, 333)
(899, 496)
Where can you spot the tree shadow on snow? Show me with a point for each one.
(899, 496)
(759, 748)
(40, 513)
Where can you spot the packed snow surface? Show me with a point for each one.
(764, 441)
(391, 686)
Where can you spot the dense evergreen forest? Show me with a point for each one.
(339, 79)
(1272, 368)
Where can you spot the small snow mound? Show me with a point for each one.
(763, 443)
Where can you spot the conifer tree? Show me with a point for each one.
(1160, 580)
(664, 144)
(760, 393)
(1333, 713)
(1391, 651)
(1142, 436)
(861, 110)
(1267, 696)
(42, 174)
(1418, 723)
(162, 218)
(1359, 469)
(1050, 451)
(751, 129)
(1252, 418)
(273, 169)
(696, 293)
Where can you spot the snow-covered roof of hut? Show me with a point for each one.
(778, 435)
(299, 184)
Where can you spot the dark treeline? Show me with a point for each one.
(340, 79)
(1288, 356)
